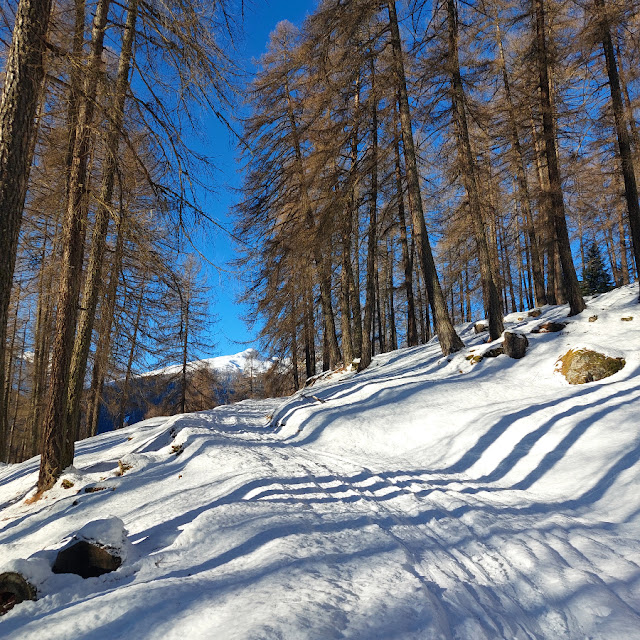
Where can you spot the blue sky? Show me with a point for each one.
(230, 332)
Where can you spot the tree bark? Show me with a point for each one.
(57, 448)
(369, 304)
(488, 275)
(522, 182)
(449, 340)
(622, 132)
(570, 279)
(93, 282)
(412, 329)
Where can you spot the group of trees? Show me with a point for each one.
(408, 172)
(96, 183)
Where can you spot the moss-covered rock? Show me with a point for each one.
(579, 366)
(494, 352)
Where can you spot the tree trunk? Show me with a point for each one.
(488, 275)
(369, 304)
(521, 176)
(412, 329)
(393, 337)
(622, 132)
(24, 73)
(449, 340)
(107, 314)
(93, 283)
(57, 449)
(309, 335)
(570, 279)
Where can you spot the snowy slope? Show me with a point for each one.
(423, 498)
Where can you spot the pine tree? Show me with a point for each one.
(595, 277)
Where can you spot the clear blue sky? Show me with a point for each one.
(231, 333)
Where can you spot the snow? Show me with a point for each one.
(425, 497)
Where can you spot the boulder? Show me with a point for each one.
(515, 344)
(86, 559)
(549, 327)
(581, 365)
(14, 589)
(99, 547)
(534, 313)
(480, 327)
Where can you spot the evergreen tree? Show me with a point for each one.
(595, 277)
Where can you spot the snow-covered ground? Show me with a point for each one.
(423, 498)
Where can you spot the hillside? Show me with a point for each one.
(423, 498)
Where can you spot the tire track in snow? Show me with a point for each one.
(477, 596)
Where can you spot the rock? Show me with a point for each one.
(581, 365)
(14, 589)
(534, 313)
(99, 547)
(494, 352)
(593, 318)
(480, 327)
(86, 559)
(549, 327)
(627, 319)
(515, 344)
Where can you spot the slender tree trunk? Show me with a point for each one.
(369, 303)
(412, 330)
(309, 335)
(57, 448)
(124, 391)
(622, 132)
(345, 299)
(93, 283)
(380, 313)
(294, 345)
(185, 354)
(624, 265)
(107, 314)
(521, 176)
(6, 400)
(24, 73)
(323, 265)
(393, 337)
(570, 279)
(469, 174)
(449, 340)
(611, 250)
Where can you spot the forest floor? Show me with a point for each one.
(425, 497)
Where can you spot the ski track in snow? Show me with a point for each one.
(342, 513)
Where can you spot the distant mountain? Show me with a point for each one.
(245, 361)
(226, 379)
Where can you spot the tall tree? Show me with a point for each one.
(22, 86)
(470, 178)
(622, 130)
(449, 339)
(556, 198)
